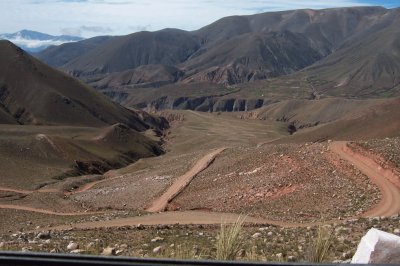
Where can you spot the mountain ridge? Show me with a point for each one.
(239, 50)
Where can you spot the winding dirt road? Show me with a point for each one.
(389, 204)
(390, 199)
(182, 182)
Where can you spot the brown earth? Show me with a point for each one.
(182, 182)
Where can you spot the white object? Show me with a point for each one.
(378, 247)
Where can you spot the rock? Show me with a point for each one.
(76, 251)
(44, 235)
(256, 235)
(291, 258)
(279, 256)
(47, 241)
(157, 239)
(347, 255)
(72, 246)
(157, 249)
(25, 249)
(140, 227)
(270, 234)
(396, 231)
(90, 245)
(118, 252)
(53, 250)
(378, 247)
(108, 251)
(2, 244)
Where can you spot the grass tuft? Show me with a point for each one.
(229, 240)
(320, 245)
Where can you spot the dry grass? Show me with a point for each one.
(320, 245)
(229, 240)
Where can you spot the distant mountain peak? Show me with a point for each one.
(34, 41)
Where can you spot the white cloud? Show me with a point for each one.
(33, 44)
(125, 16)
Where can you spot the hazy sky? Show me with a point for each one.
(89, 18)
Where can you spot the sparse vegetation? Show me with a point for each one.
(320, 245)
(229, 240)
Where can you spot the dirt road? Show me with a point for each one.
(37, 210)
(183, 181)
(389, 204)
(390, 201)
(178, 217)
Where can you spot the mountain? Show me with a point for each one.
(34, 93)
(58, 56)
(33, 41)
(368, 65)
(168, 47)
(57, 127)
(339, 52)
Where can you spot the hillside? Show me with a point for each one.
(367, 66)
(57, 127)
(29, 89)
(379, 120)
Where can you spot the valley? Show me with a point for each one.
(147, 144)
(271, 183)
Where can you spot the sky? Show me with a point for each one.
(88, 18)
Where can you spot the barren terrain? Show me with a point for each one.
(217, 167)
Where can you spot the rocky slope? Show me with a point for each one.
(34, 93)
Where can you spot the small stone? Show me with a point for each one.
(256, 235)
(140, 227)
(270, 234)
(53, 250)
(396, 231)
(72, 246)
(157, 249)
(279, 255)
(90, 245)
(47, 241)
(157, 239)
(108, 251)
(2, 244)
(76, 251)
(291, 258)
(44, 235)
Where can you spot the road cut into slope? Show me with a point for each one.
(390, 193)
(182, 182)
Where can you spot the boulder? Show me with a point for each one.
(378, 247)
